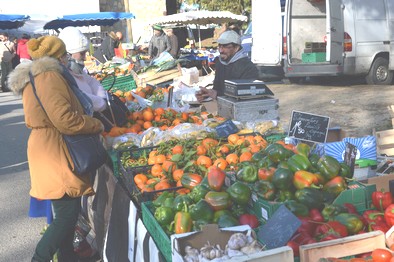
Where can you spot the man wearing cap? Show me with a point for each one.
(233, 63)
(159, 43)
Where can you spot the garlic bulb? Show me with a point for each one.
(237, 241)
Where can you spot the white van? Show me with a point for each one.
(340, 37)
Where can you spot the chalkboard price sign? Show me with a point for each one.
(308, 127)
(279, 228)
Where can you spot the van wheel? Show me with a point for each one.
(379, 74)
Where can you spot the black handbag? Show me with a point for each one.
(116, 112)
(87, 151)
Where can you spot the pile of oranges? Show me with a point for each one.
(159, 117)
(171, 160)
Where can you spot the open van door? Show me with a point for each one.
(267, 32)
(335, 32)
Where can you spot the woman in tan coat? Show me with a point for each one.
(50, 172)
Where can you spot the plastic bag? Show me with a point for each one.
(126, 141)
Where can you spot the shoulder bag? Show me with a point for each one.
(87, 151)
(116, 112)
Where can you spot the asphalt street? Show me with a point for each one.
(19, 233)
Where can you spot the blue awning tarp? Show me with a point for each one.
(99, 19)
(10, 21)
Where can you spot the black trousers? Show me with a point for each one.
(60, 234)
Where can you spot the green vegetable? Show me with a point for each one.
(284, 195)
(283, 178)
(199, 192)
(201, 211)
(239, 193)
(265, 189)
(160, 199)
(311, 197)
(297, 208)
(277, 152)
(345, 171)
(332, 210)
(219, 213)
(237, 210)
(248, 173)
(303, 149)
(218, 200)
(329, 167)
(164, 215)
(182, 201)
(336, 185)
(298, 162)
(227, 221)
(304, 179)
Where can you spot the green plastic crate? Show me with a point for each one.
(313, 57)
(358, 194)
(161, 239)
(122, 83)
(263, 209)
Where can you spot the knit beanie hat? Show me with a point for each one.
(74, 39)
(46, 46)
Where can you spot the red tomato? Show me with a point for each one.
(381, 255)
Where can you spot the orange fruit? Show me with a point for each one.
(177, 174)
(254, 148)
(162, 185)
(136, 115)
(159, 111)
(245, 156)
(147, 125)
(233, 138)
(157, 170)
(148, 115)
(160, 159)
(168, 166)
(209, 142)
(224, 149)
(232, 158)
(178, 149)
(201, 150)
(183, 191)
(204, 161)
(221, 163)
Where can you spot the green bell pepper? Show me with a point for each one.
(314, 159)
(218, 200)
(265, 189)
(169, 202)
(248, 173)
(283, 178)
(297, 208)
(336, 185)
(284, 195)
(199, 192)
(160, 199)
(257, 157)
(183, 222)
(277, 152)
(345, 171)
(227, 221)
(266, 162)
(237, 210)
(283, 164)
(328, 166)
(219, 213)
(311, 197)
(164, 215)
(181, 201)
(239, 193)
(198, 224)
(298, 162)
(352, 222)
(303, 149)
(201, 211)
(332, 210)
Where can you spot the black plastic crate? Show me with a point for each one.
(136, 153)
(138, 197)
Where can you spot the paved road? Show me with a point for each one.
(19, 233)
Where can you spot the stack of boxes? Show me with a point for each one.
(314, 52)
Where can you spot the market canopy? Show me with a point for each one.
(12, 21)
(200, 18)
(99, 19)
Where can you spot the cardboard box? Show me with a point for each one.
(215, 235)
(381, 182)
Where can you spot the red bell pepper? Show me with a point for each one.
(350, 208)
(216, 177)
(381, 200)
(330, 228)
(249, 219)
(316, 215)
(373, 216)
(389, 215)
(382, 226)
(307, 225)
